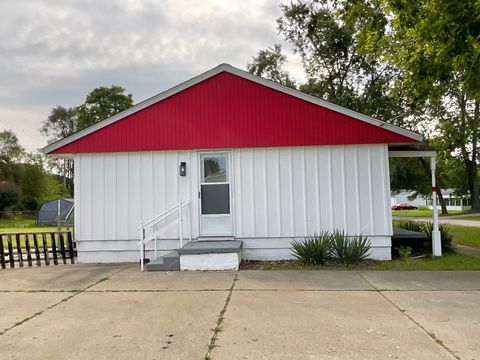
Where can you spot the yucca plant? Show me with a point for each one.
(426, 227)
(349, 250)
(313, 250)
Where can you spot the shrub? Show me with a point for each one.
(405, 252)
(445, 234)
(314, 249)
(349, 250)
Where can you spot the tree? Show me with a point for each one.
(11, 152)
(269, 64)
(102, 103)
(331, 38)
(438, 50)
(9, 195)
(61, 123)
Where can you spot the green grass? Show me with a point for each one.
(422, 213)
(29, 230)
(465, 235)
(18, 223)
(447, 262)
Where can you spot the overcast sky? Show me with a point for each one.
(53, 52)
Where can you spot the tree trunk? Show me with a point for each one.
(473, 172)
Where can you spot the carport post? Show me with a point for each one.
(436, 238)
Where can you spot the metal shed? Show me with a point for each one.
(52, 210)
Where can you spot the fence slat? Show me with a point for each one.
(70, 247)
(54, 249)
(19, 250)
(27, 249)
(10, 251)
(2, 253)
(46, 256)
(34, 248)
(61, 242)
(37, 250)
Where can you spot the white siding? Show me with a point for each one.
(279, 194)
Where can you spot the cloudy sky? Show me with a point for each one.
(53, 52)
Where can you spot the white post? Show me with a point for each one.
(142, 238)
(436, 238)
(155, 247)
(180, 223)
(189, 224)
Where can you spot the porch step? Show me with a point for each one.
(167, 262)
(211, 255)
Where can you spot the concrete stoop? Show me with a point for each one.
(167, 262)
(201, 255)
(211, 255)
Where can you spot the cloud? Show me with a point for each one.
(53, 52)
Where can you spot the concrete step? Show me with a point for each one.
(211, 255)
(167, 262)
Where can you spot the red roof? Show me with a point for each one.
(226, 108)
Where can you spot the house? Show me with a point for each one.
(452, 201)
(231, 157)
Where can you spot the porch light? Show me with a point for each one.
(183, 169)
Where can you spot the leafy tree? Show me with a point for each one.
(11, 152)
(438, 49)
(269, 64)
(61, 123)
(330, 38)
(102, 103)
(9, 195)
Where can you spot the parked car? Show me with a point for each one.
(404, 207)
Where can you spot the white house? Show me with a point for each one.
(452, 201)
(242, 159)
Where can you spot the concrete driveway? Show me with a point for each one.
(114, 311)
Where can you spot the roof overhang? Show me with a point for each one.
(243, 74)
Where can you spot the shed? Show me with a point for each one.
(230, 156)
(54, 209)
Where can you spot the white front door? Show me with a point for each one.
(215, 189)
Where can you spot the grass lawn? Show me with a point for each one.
(422, 213)
(447, 262)
(29, 231)
(465, 235)
(17, 223)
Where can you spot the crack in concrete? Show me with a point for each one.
(420, 326)
(220, 318)
(75, 293)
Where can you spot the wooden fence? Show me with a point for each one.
(39, 248)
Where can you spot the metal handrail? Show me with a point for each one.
(152, 224)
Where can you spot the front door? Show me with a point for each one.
(215, 204)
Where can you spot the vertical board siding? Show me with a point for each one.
(277, 192)
(310, 189)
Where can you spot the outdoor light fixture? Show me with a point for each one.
(183, 169)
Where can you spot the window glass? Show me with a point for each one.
(214, 168)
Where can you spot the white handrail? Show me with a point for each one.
(156, 230)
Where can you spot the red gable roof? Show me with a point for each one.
(228, 110)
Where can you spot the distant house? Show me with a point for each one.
(237, 158)
(54, 210)
(452, 201)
